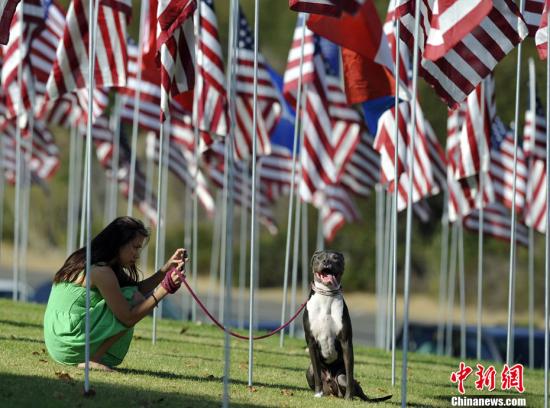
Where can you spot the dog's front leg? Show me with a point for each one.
(347, 350)
(316, 365)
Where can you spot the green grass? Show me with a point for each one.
(185, 369)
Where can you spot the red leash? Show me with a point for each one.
(237, 335)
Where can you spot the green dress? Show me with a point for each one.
(65, 325)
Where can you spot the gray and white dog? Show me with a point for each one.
(328, 332)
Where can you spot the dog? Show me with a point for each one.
(328, 332)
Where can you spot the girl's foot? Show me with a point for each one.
(96, 366)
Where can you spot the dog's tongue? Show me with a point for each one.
(329, 278)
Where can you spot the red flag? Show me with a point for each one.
(541, 37)
(7, 10)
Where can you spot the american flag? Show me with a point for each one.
(532, 14)
(149, 104)
(541, 36)
(269, 108)
(103, 138)
(7, 10)
(458, 72)
(476, 130)
(327, 7)
(425, 157)
(496, 223)
(44, 161)
(535, 206)
(70, 69)
(212, 113)
(242, 187)
(181, 164)
(534, 145)
(463, 193)
(332, 129)
(336, 207)
(501, 169)
(19, 101)
(175, 49)
(363, 170)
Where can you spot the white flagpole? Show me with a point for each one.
(512, 273)
(305, 251)
(381, 309)
(92, 15)
(149, 171)
(388, 266)
(195, 213)
(295, 261)
(228, 215)
(144, 12)
(242, 254)
(451, 290)
(547, 235)
(394, 205)
(215, 256)
(297, 123)
(161, 181)
(531, 255)
(482, 171)
(410, 163)
(115, 159)
(2, 188)
(84, 199)
(18, 168)
(187, 239)
(443, 271)
(253, 198)
(462, 290)
(71, 195)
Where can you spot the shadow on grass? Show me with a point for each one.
(50, 392)
(21, 324)
(208, 378)
(19, 338)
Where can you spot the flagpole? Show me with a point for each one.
(161, 181)
(512, 273)
(84, 201)
(143, 13)
(229, 169)
(195, 243)
(381, 331)
(295, 261)
(305, 250)
(115, 159)
(481, 227)
(71, 191)
(410, 162)
(395, 178)
(531, 255)
(18, 167)
(187, 229)
(242, 255)
(443, 271)
(451, 290)
(92, 15)
(387, 267)
(547, 235)
(2, 191)
(320, 237)
(215, 256)
(462, 290)
(297, 124)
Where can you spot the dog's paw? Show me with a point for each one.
(318, 394)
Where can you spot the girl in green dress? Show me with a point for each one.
(118, 299)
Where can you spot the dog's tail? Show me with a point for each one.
(359, 393)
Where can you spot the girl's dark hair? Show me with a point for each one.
(105, 249)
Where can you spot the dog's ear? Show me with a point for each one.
(341, 260)
(315, 255)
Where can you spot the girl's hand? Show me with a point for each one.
(176, 261)
(172, 281)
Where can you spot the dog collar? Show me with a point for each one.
(327, 292)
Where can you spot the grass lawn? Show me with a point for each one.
(185, 369)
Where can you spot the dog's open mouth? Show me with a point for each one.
(327, 278)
